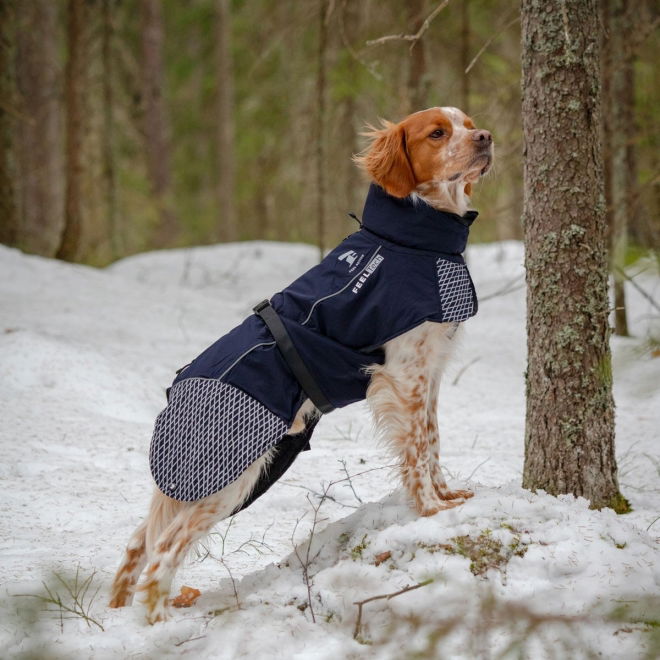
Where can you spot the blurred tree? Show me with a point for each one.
(155, 124)
(224, 118)
(9, 214)
(76, 75)
(618, 122)
(569, 433)
(321, 78)
(116, 240)
(39, 135)
(418, 79)
(465, 56)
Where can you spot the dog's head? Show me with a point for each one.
(437, 153)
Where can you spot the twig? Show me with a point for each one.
(639, 288)
(489, 42)
(414, 38)
(190, 639)
(475, 469)
(464, 369)
(653, 523)
(361, 603)
(306, 562)
(507, 288)
(371, 68)
(350, 482)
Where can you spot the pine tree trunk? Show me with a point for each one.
(9, 217)
(227, 229)
(569, 435)
(39, 136)
(155, 120)
(75, 81)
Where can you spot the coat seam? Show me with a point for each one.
(240, 357)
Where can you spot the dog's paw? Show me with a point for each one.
(427, 510)
(158, 614)
(456, 494)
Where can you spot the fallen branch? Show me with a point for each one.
(361, 603)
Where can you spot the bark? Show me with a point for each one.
(39, 136)
(227, 230)
(569, 435)
(76, 74)
(155, 120)
(8, 117)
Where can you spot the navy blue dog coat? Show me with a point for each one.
(238, 398)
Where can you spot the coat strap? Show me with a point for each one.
(291, 356)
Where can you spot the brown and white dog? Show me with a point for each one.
(436, 154)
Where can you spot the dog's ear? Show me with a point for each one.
(386, 160)
(468, 189)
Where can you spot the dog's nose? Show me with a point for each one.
(482, 136)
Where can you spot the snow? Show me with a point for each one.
(86, 355)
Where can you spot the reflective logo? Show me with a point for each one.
(368, 271)
(349, 257)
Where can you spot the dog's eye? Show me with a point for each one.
(437, 133)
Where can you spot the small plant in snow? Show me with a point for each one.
(69, 598)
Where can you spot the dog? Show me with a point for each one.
(416, 220)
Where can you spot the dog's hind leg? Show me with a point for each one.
(129, 571)
(161, 511)
(192, 522)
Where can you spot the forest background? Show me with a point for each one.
(143, 124)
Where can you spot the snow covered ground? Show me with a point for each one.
(86, 355)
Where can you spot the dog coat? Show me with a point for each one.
(238, 398)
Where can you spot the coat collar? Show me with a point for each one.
(415, 224)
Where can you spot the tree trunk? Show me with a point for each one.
(75, 81)
(227, 230)
(109, 158)
(618, 134)
(320, 123)
(39, 136)
(9, 114)
(465, 56)
(155, 120)
(569, 435)
(418, 82)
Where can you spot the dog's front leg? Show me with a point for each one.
(437, 477)
(399, 397)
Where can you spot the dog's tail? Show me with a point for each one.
(162, 511)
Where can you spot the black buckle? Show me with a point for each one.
(261, 306)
